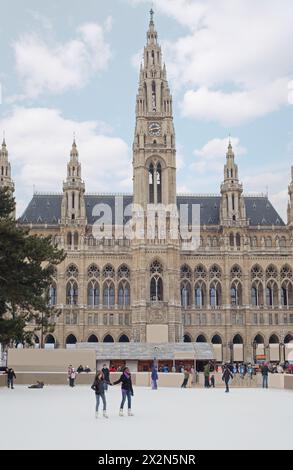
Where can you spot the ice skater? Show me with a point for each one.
(106, 373)
(126, 389)
(186, 377)
(10, 377)
(227, 375)
(99, 389)
(154, 377)
(72, 377)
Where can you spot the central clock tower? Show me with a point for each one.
(156, 309)
(154, 153)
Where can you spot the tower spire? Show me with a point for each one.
(73, 205)
(233, 211)
(5, 169)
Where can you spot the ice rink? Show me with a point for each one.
(63, 418)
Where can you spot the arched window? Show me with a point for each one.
(259, 339)
(159, 183)
(93, 271)
(257, 294)
(236, 293)
(156, 288)
(288, 339)
(53, 294)
(108, 339)
(69, 238)
(108, 272)
(231, 239)
(71, 293)
(92, 339)
(237, 339)
(238, 240)
(123, 272)
(185, 294)
(200, 272)
(109, 294)
(49, 339)
(274, 339)
(123, 294)
(216, 339)
(71, 339)
(75, 239)
(215, 294)
(287, 293)
(187, 338)
(156, 284)
(93, 294)
(151, 183)
(123, 339)
(272, 294)
(154, 99)
(72, 271)
(185, 272)
(200, 294)
(201, 339)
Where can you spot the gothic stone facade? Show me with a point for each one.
(235, 289)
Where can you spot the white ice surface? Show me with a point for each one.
(63, 418)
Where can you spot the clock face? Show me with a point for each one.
(154, 128)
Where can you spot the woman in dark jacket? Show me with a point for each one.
(127, 390)
(227, 375)
(99, 389)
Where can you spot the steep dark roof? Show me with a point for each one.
(46, 209)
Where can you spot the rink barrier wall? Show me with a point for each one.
(3, 380)
(143, 379)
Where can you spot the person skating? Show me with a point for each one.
(265, 374)
(227, 375)
(37, 385)
(72, 377)
(10, 377)
(126, 389)
(154, 377)
(106, 373)
(213, 381)
(206, 373)
(186, 377)
(99, 389)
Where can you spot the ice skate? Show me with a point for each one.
(130, 413)
(121, 412)
(97, 414)
(105, 414)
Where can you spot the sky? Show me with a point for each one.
(71, 66)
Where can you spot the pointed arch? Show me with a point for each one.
(123, 338)
(187, 338)
(108, 339)
(237, 339)
(71, 339)
(92, 339)
(201, 339)
(216, 339)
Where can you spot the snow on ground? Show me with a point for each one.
(59, 417)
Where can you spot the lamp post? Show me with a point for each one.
(254, 344)
(230, 346)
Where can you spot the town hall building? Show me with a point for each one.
(232, 289)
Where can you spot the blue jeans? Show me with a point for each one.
(98, 402)
(126, 393)
(264, 381)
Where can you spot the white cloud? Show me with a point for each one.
(39, 142)
(217, 148)
(234, 58)
(234, 108)
(57, 67)
(211, 156)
